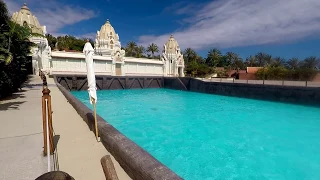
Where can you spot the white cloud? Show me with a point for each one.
(234, 23)
(53, 14)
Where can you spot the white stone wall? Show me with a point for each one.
(141, 68)
(74, 63)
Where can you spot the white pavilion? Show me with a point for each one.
(109, 58)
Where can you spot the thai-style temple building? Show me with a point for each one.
(109, 57)
(41, 53)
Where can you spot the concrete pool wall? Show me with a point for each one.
(289, 94)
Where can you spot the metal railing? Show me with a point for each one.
(264, 82)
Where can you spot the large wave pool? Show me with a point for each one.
(204, 136)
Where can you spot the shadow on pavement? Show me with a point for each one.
(11, 105)
(7, 103)
(55, 141)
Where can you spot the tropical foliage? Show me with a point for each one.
(133, 50)
(14, 50)
(66, 42)
(153, 48)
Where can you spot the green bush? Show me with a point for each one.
(281, 73)
(222, 73)
(14, 51)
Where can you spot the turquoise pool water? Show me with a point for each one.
(203, 136)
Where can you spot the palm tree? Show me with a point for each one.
(189, 55)
(293, 63)
(251, 61)
(131, 48)
(214, 58)
(310, 62)
(140, 50)
(51, 40)
(229, 57)
(237, 62)
(268, 59)
(152, 48)
(260, 58)
(234, 61)
(278, 61)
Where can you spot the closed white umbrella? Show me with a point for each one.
(88, 51)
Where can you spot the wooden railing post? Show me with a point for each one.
(46, 96)
(108, 168)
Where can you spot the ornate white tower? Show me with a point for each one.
(41, 54)
(173, 59)
(107, 44)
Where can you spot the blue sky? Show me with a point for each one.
(287, 28)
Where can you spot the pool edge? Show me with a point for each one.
(136, 162)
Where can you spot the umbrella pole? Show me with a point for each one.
(95, 119)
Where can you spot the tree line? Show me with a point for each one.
(66, 42)
(133, 50)
(273, 68)
(14, 51)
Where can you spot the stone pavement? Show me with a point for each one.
(21, 140)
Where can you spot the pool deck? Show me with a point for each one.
(21, 141)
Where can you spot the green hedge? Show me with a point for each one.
(281, 73)
(14, 51)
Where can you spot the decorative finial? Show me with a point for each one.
(25, 6)
(171, 36)
(108, 21)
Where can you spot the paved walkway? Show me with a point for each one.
(21, 140)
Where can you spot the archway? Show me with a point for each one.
(25, 24)
(118, 69)
(180, 69)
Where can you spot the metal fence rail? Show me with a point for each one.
(265, 82)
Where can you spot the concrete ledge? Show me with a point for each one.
(137, 163)
(79, 82)
(278, 93)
